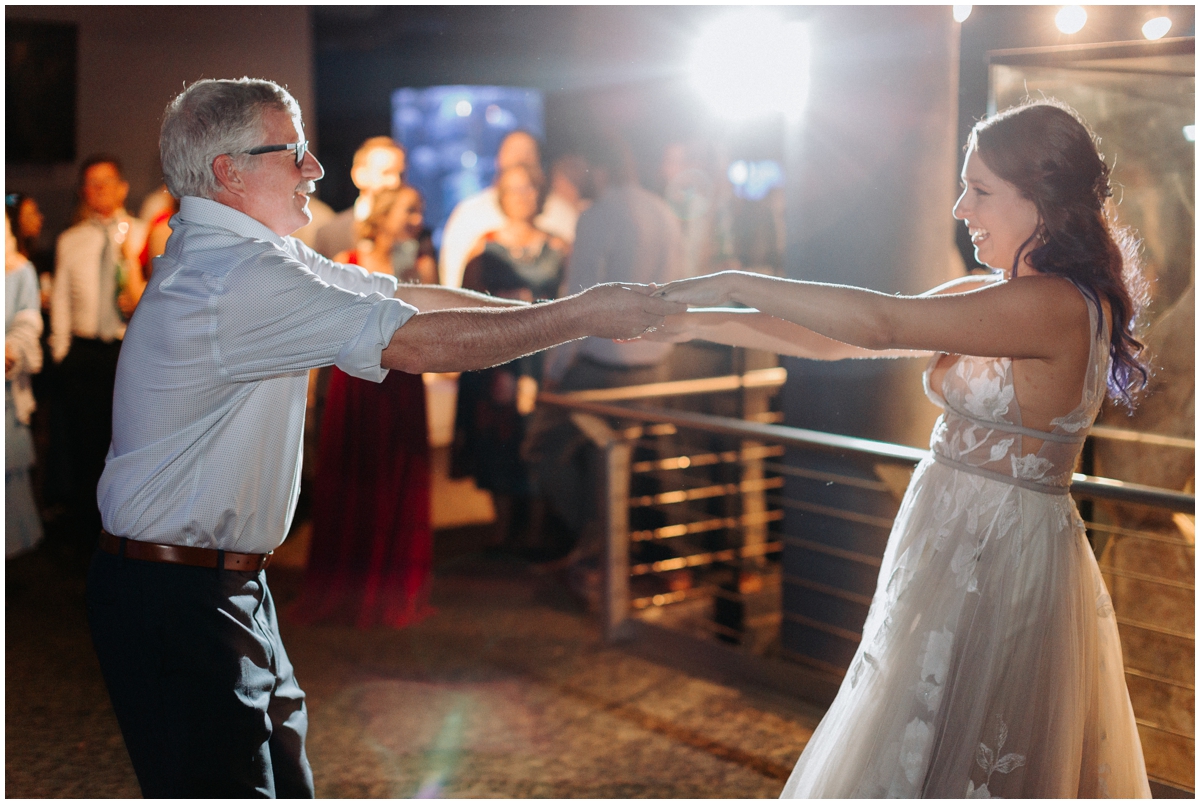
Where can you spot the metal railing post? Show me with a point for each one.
(617, 458)
(617, 454)
(754, 499)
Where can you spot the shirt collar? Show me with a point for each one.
(117, 216)
(213, 213)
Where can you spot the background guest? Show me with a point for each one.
(570, 180)
(156, 211)
(394, 238)
(378, 165)
(628, 235)
(51, 438)
(372, 542)
(476, 216)
(26, 219)
(695, 191)
(97, 283)
(22, 357)
(516, 261)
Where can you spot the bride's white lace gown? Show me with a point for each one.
(990, 664)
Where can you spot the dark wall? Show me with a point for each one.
(870, 170)
(133, 59)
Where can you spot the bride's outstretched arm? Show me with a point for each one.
(754, 330)
(1030, 317)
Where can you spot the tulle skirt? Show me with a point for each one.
(990, 664)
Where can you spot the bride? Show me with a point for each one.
(990, 664)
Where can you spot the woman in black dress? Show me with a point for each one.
(517, 261)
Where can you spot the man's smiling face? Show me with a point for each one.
(278, 189)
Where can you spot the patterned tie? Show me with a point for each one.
(108, 314)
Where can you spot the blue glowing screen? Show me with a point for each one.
(753, 180)
(452, 134)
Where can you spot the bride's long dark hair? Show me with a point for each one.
(1044, 149)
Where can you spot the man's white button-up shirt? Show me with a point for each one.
(208, 414)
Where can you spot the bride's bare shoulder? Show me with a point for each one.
(965, 283)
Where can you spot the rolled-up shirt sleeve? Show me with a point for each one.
(288, 319)
(360, 356)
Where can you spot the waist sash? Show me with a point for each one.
(1005, 427)
(991, 475)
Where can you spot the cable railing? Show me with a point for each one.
(711, 495)
(1099, 488)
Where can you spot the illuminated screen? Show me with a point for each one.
(452, 134)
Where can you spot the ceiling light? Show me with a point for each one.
(751, 63)
(1156, 28)
(1071, 19)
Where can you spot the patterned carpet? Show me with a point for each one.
(506, 692)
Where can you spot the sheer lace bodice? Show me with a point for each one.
(981, 430)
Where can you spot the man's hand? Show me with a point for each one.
(10, 358)
(713, 290)
(674, 329)
(622, 311)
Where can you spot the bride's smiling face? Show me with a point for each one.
(998, 218)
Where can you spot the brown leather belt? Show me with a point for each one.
(181, 554)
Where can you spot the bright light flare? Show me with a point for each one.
(961, 13)
(1070, 19)
(1189, 133)
(1156, 28)
(752, 63)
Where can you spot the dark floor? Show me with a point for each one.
(507, 691)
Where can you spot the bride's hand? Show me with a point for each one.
(673, 329)
(713, 290)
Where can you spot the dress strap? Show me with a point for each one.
(1009, 479)
(1060, 438)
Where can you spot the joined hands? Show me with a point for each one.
(625, 311)
(711, 290)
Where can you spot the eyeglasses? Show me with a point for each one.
(301, 149)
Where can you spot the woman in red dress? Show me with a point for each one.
(372, 544)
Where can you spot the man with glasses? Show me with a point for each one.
(202, 476)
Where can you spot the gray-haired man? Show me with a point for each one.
(201, 479)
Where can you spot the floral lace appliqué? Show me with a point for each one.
(989, 395)
(934, 665)
(994, 762)
(963, 564)
(914, 749)
(1030, 467)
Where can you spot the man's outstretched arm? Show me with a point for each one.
(463, 340)
(428, 298)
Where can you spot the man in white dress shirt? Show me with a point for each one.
(97, 282)
(476, 216)
(203, 473)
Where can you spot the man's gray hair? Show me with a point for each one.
(213, 117)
